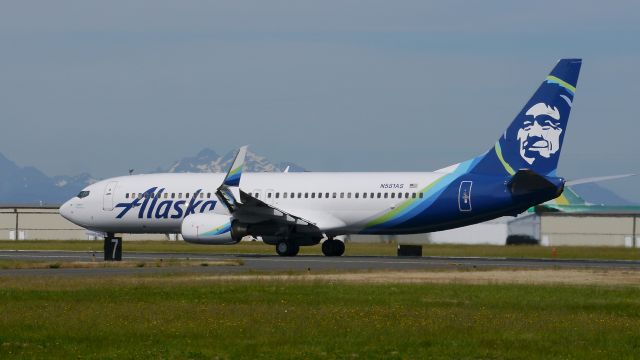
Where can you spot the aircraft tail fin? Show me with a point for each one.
(534, 138)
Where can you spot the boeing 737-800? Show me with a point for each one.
(290, 210)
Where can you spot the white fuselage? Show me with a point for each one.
(339, 202)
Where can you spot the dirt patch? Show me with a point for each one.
(560, 276)
(115, 264)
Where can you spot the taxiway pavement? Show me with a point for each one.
(273, 263)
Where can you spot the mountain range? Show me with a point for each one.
(28, 185)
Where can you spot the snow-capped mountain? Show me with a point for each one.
(208, 160)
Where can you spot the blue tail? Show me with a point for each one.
(534, 139)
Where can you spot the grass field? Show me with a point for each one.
(562, 252)
(202, 319)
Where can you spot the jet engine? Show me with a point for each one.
(208, 228)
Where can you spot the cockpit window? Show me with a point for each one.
(83, 193)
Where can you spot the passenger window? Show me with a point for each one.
(277, 195)
(386, 195)
(284, 195)
(179, 195)
(126, 195)
(326, 195)
(319, 195)
(357, 195)
(372, 195)
(268, 195)
(313, 195)
(413, 196)
(166, 195)
(186, 195)
(364, 195)
(349, 195)
(306, 195)
(406, 195)
(379, 194)
(299, 195)
(201, 195)
(173, 195)
(208, 195)
(293, 195)
(341, 195)
(420, 195)
(335, 195)
(393, 195)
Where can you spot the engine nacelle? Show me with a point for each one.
(208, 228)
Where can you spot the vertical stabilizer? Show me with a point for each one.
(533, 140)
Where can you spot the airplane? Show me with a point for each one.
(292, 209)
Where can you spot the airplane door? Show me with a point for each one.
(107, 200)
(464, 196)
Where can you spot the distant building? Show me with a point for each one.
(548, 225)
(579, 228)
(24, 222)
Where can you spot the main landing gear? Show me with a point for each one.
(287, 248)
(332, 247)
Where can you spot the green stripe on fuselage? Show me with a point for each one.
(393, 213)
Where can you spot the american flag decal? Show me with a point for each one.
(413, 186)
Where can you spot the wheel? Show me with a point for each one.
(333, 248)
(327, 248)
(294, 249)
(287, 248)
(338, 248)
(282, 248)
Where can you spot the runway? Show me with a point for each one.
(273, 263)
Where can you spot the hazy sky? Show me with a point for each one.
(104, 86)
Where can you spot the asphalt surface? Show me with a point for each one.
(274, 263)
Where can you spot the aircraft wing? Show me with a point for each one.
(255, 209)
(248, 209)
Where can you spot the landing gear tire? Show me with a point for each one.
(333, 248)
(287, 248)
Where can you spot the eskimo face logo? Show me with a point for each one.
(539, 135)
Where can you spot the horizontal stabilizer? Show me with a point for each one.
(597, 179)
(527, 181)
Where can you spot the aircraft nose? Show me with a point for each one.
(66, 210)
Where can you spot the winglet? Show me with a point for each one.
(235, 171)
(229, 192)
